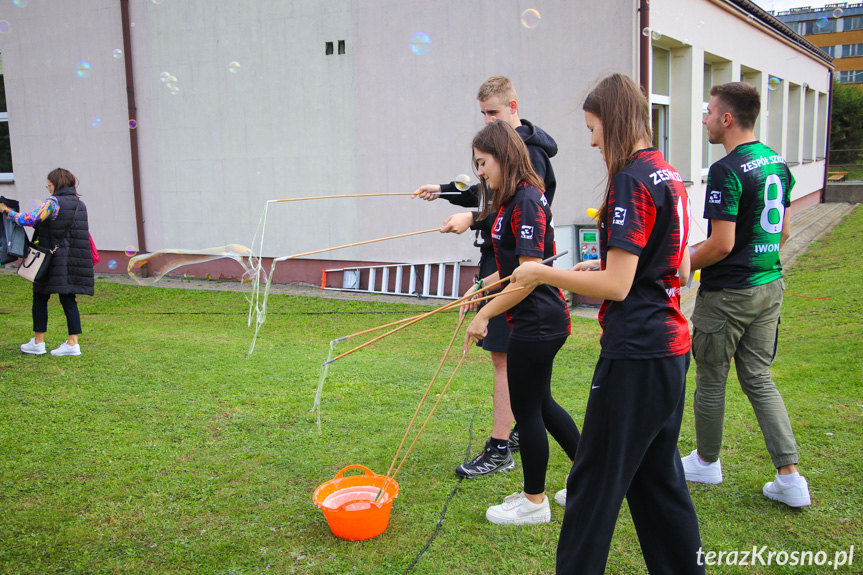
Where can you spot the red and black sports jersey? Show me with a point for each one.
(648, 215)
(523, 228)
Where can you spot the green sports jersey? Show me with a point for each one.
(751, 186)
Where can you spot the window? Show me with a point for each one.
(853, 23)
(851, 50)
(5, 145)
(793, 123)
(660, 99)
(832, 51)
(705, 100)
(850, 77)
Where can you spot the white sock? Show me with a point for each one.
(789, 479)
(703, 463)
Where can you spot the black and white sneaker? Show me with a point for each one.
(489, 461)
(513, 444)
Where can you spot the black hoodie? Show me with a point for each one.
(541, 147)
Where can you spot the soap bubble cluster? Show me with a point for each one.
(171, 83)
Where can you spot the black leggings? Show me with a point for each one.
(528, 368)
(70, 307)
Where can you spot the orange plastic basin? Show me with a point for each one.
(349, 504)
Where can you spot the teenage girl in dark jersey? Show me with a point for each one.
(522, 232)
(628, 446)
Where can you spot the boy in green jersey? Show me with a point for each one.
(740, 297)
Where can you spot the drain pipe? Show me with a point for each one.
(133, 133)
(644, 47)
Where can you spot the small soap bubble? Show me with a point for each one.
(530, 18)
(133, 124)
(700, 24)
(656, 34)
(175, 90)
(685, 41)
(21, 3)
(83, 69)
(462, 182)
(157, 1)
(420, 43)
(234, 67)
(164, 76)
(821, 22)
(5, 26)
(131, 250)
(95, 121)
(829, 435)
(837, 13)
(773, 83)
(118, 53)
(646, 31)
(112, 264)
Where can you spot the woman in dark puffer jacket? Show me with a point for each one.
(61, 222)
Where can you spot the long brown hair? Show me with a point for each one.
(62, 178)
(503, 143)
(624, 112)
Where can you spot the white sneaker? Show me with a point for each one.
(517, 509)
(794, 494)
(32, 347)
(699, 472)
(66, 349)
(560, 497)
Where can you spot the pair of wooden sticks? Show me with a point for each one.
(412, 320)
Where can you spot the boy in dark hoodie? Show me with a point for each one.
(497, 101)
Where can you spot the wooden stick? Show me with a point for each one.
(445, 307)
(284, 258)
(422, 400)
(415, 319)
(389, 478)
(353, 196)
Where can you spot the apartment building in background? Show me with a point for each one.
(838, 30)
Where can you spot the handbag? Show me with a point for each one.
(37, 260)
(93, 251)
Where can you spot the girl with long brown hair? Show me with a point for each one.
(522, 232)
(628, 446)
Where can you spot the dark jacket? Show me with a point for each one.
(541, 148)
(72, 263)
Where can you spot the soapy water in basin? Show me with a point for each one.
(361, 495)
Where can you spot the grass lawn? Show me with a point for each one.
(163, 449)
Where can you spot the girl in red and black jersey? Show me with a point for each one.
(522, 232)
(628, 446)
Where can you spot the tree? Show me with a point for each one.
(846, 123)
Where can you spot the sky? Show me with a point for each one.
(782, 5)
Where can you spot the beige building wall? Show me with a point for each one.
(257, 110)
(290, 121)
